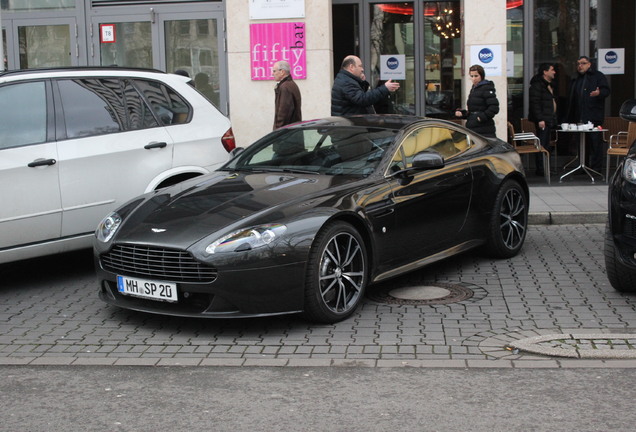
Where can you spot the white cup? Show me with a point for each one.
(565, 126)
(573, 126)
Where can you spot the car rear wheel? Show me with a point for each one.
(336, 276)
(508, 221)
(621, 277)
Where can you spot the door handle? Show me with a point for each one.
(41, 162)
(155, 145)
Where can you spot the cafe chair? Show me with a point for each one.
(529, 127)
(526, 143)
(619, 144)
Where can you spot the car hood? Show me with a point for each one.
(186, 213)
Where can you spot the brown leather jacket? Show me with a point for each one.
(287, 103)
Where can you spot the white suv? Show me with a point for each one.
(76, 143)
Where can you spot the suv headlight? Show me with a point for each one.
(629, 170)
(247, 239)
(107, 227)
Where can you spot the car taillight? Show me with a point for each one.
(228, 140)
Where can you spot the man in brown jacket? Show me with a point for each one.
(286, 96)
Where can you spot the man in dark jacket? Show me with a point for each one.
(287, 101)
(587, 104)
(543, 108)
(349, 96)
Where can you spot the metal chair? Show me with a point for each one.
(526, 143)
(619, 144)
(528, 126)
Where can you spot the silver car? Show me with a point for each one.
(76, 143)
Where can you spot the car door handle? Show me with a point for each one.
(41, 162)
(155, 145)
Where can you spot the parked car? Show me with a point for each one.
(620, 232)
(76, 143)
(305, 218)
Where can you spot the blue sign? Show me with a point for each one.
(486, 55)
(392, 63)
(611, 57)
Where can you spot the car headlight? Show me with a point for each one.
(107, 227)
(247, 239)
(629, 170)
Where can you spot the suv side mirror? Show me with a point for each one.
(628, 110)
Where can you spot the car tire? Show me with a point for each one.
(508, 221)
(336, 273)
(621, 277)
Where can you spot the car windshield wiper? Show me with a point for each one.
(291, 170)
(268, 169)
(244, 169)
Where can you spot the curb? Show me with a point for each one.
(566, 218)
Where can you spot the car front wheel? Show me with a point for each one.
(621, 277)
(336, 275)
(508, 221)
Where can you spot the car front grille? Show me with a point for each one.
(156, 263)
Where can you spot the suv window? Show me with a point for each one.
(92, 107)
(23, 119)
(168, 105)
(101, 106)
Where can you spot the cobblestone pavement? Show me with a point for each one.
(555, 286)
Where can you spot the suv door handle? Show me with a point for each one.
(155, 145)
(41, 162)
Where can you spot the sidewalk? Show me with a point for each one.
(567, 202)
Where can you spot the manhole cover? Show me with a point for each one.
(431, 293)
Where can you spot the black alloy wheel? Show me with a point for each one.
(508, 221)
(336, 276)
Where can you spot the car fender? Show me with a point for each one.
(193, 171)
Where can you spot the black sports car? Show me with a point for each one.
(305, 218)
(620, 232)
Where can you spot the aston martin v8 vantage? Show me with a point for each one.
(304, 219)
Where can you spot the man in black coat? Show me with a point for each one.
(349, 94)
(543, 108)
(587, 104)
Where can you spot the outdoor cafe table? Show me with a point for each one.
(582, 134)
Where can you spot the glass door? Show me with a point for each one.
(391, 34)
(43, 43)
(442, 58)
(427, 36)
(122, 41)
(195, 45)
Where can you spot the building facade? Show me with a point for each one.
(220, 45)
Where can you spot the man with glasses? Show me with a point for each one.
(587, 104)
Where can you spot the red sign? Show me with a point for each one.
(107, 33)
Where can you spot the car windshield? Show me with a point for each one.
(325, 150)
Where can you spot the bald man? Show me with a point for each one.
(349, 94)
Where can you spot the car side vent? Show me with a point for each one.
(156, 263)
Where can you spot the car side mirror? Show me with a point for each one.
(422, 161)
(426, 160)
(628, 110)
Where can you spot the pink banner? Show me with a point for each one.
(273, 42)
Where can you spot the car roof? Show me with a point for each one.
(84, 71)
(384, 121)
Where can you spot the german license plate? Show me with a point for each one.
(165, 291)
